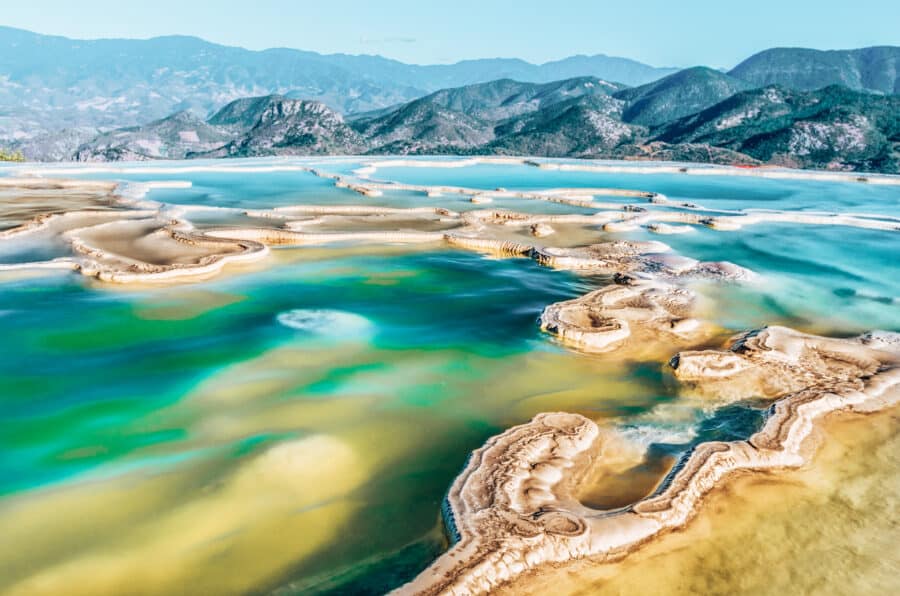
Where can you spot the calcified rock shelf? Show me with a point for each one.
(516, 506)
(629, 311)
(158, 243)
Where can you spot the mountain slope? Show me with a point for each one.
(173, 137)
(423, 126)
(677, 95)
(243, 114)
(256, 126)
(465, 117)
(291, 127)
(875, 69)
(834, 127)
(58, 145)
(505, 98)
(584, 125)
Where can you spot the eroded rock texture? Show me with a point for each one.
(514, 507)
(644, 312)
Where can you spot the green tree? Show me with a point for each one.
(11, 155)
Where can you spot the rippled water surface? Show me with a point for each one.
(292, 426)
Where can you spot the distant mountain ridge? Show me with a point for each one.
(680, 94)
(52, 83)
(875, 69)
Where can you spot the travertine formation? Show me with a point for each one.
(119, 238)
(646, 258)
(514, 508)
(116, 235)
(646, 313)
(643, 308)
(174, 250)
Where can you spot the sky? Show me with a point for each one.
(659, 32)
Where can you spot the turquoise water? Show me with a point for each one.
(293, 426)
(827, 278)
(719, 192)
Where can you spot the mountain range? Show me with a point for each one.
(834, 127)
(796, 107)
(50, 83)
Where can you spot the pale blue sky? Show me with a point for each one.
(660, 32)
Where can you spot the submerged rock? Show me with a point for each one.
(651, 257)
(541, 230)
(327, 323)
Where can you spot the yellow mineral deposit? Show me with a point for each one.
(514, 509)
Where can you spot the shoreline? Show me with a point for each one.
(443, 161)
